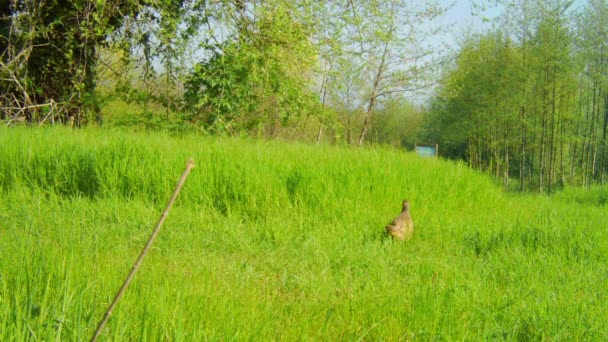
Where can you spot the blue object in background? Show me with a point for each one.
(426, 151)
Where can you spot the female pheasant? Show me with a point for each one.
(402, 226)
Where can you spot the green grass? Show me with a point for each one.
(278, 241)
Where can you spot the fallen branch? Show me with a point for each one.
(143, 253)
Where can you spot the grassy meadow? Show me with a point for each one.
(285, 241)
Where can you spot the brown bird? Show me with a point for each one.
(402, 226)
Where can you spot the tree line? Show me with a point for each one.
(528, 100)
(336, 70)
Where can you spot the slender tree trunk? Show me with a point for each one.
(585, 145)
(323, 100)
(604, 97)
(349, 131)
(551, 171)
(91, 82)
(506, 160)
(374, 94)
(604, 139)
(533, 150)
(573, 155)
(320, 133)
(589, 146)
(167, 90)
(523, 114)
(543, 133)
(577, 132)
(522, 165)
(594, 163)
(562, 134)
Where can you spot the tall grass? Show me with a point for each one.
(271, 240)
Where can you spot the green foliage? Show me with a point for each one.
(153, 117)
(399, 124)
(477, 97)
(273, 68)
(384, 48)
(523, 102)
(158, 47)
(50, 54)
(256, 78)
(276, 241)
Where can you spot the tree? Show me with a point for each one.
(387, 39)
(509, 100)
(475, 106)
(592, 49)
(258, 77)
(397, 123)
(49, 53)
(50, 50)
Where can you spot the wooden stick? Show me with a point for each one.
(143, 253)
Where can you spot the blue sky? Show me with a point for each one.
(466, 16)
(459, 19)
(463, 12)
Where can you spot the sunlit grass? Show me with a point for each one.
(273, 240)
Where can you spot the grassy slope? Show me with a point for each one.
(284, 241)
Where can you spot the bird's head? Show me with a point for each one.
(406, 205)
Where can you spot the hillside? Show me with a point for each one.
(273, 240)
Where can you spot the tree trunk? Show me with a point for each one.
(374, 94)
(551, 171)
(320, 133)
(543, 132)
(522, 165)
(604, 139)
(507, 161)
(323, 99)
